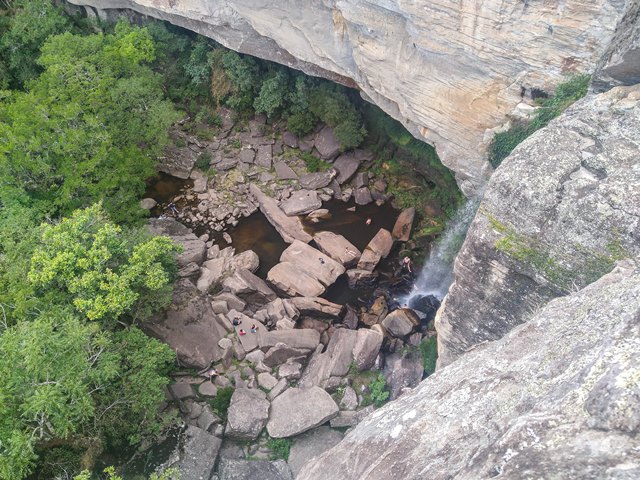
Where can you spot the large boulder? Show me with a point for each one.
(249, 288)
(313, 181)
(366, 348)
(289, 228)
(304, 338)
(557, 397)
(193, 249)
(190, 327)
(282, 352)
(338, 248)
(403, 370)
(334, 362)
(313, 262)
(404, 222)
(291, 280)
(247, 414)
(301, 202)
(316, 307)
(297, 410)
(377, 249)
(199, 453)
(346, 165)
(214, 271)
(310, 445)
(401, 322)
(327, 144)
(240, 469)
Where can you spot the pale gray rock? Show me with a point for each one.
(280, 387)
(313, 262)
(319, 215)
(401, 371)
(303, 338)
(297, 410)
(316, 307)
(282, 352)
(289, 228)
(266, 380)
(350, 418)
(555, 397)
(289, 139)
(402, 227)
(556, 214)
(214, 271)
(310, 445)
(264, 155)
(207, 389)
(349, 400)
(194, 249)
(291, 280)
(346, 165)
(301, 202)
(377, 249)
(335, 361)
(199, 454)
(401, 322)
(284, 171)
(147, 203)
(327, 144)
(290, 370)
(190, 327)
(316, 180)
(249, 288)
(247, 414)
(362, 196)
(181, 391)
(338, 248)
(366, 348)
(240, 469)
(247, 155)
(233, 302)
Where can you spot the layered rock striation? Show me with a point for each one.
(556, 215)
(556, 397)
(450, 71)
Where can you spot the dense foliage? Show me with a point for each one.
(566, 93)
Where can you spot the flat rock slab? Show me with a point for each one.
(297, 410)
(310, 445)
(346, 165)
(377, 249)
(289, 228)
(366, 348)
(199, 454)
(306, 338)
(402, 228)
(362, 196)
(247, 155)
(284, 171)
(190, 327)
(281, 352)
(338, 248)
(327, 144)
(316, 180)
(247, 414)
(316, 307)
(301, 202)
(313, 262)
(264, 156)
(236, 469)
(194, 249)
(291, 280)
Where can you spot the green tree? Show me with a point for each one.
(103, 272)
(243, 73)
(273, 95)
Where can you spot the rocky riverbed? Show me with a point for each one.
(295, 364)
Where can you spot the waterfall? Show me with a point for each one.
(437, 273)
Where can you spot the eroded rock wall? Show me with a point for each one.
(555, 216)
(450, 71)
(557, 397)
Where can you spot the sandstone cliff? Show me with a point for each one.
(555, 216)
(557, 397)
(450, 71)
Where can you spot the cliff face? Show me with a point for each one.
(555, 216)
(450, 71)
(557, 397)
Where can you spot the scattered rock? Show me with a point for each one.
(349, 399)
(346, 166)
(290, 370)
(199, 454)
(297, 410)
(290, 140)
(361, 278)
(366, 348)
(318, 215)
(207, 389)
(361, 180)
(349, 418)
(316, 307)
(247, 155)
(194, 249)
(181, 391)
(266, 380)
(363, 196)
(264, 156)
(247, 414)
(402, 228)
(316, 180)
(284, 171)
(246, 286)
(282, 352)
(402, 371)
(235, 469)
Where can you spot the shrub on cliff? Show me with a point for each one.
(566, 93)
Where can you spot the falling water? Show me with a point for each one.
(437, 273)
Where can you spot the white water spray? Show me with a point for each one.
(437, 274)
